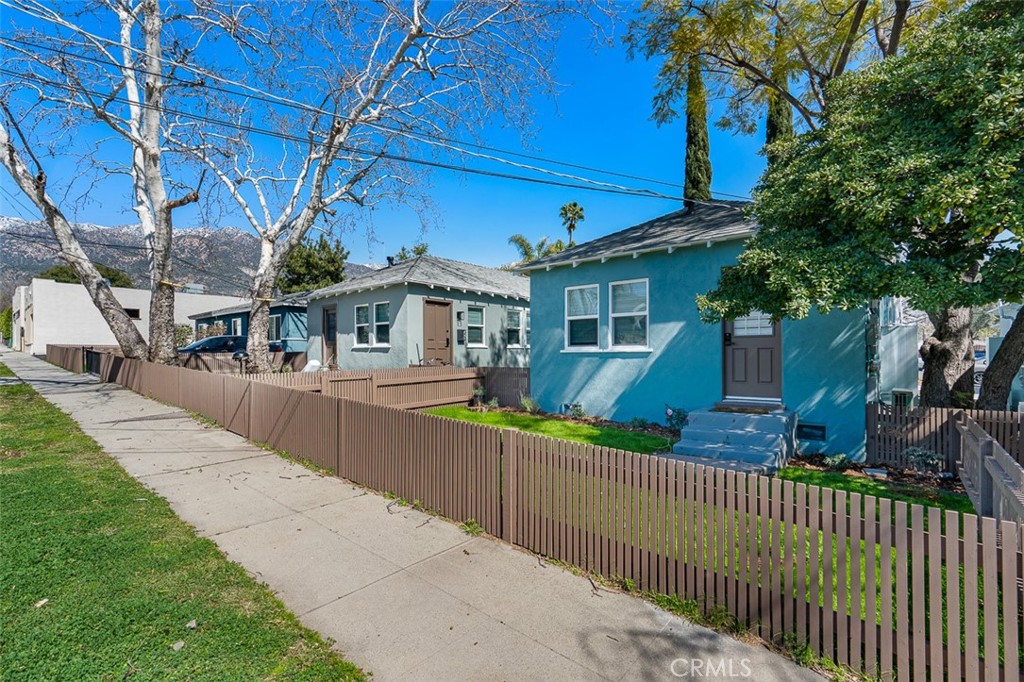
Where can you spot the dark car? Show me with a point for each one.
(223, 344)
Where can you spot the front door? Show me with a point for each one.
(437, 332)
(753, 358)
(330, 335)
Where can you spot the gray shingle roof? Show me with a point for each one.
(700, 224)
(296, 300)
(437, 272)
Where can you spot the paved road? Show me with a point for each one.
(403, 594)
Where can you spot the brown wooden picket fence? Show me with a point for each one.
(897, 591)
(891, 430)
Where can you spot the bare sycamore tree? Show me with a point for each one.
(34, 187)
(77, 65)
(385, 80)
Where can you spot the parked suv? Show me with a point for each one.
(223, 344)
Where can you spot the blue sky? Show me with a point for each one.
(601, 118)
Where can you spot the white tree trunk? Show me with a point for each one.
(128, 337)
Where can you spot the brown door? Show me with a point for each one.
(437, 332)
(330, 335)
(752, 355)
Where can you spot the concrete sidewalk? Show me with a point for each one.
(405, 595)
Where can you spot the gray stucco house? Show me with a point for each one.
(616, 330)
(423, 310)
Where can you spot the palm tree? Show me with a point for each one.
(530, 252)
(571, 213)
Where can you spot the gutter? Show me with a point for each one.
(635, 253)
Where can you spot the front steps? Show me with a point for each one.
(750, 442)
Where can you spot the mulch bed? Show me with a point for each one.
(948, 482)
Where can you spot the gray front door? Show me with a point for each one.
(752, 355)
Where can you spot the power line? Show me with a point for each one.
(270, 98)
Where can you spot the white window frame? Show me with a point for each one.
(202, 326)
(271, 326)
(568, 318)
(758, 330)
(523, 316)
(526, 327)
(647, 314)
(482, 325)
(374, 324)
(234, 321)
(356, 326)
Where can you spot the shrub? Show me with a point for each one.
(638, 423)
(576, 411)
(838, 462)
(493, 404)
(923, 459)
(529, 404)
(675, 418)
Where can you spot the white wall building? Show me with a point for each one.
(52, 312)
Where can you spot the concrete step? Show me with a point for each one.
(743, 467)
(766, 456)
(772, 422)
(757, 439)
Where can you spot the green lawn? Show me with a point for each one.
(122, 577)
(911, 494)
(5, 371)
(631, 441)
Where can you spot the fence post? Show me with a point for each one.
(373, 390)
(507, 458)
(984, 477)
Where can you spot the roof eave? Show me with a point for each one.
(574, 262)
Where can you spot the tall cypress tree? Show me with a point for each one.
(779, 125)
(697, 184)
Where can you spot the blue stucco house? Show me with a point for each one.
(616, 329)
(287, 321)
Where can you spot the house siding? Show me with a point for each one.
(497, 352)
(824, 363)
(293, 326)
(349, 355)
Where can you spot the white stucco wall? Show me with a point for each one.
(64, 313)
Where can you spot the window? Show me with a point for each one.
(475, 326)
(236, 326)
(628, 313)
(133, 313)
(581, 305)
(274, 330)
(527, 336)
(754, 324)
(514, 328)
(203, 326)
(363, 325)
(382, 323)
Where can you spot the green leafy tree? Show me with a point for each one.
(314, 265)
(66, 274)
(751, 48)
(571, 215)
(911, 187)
(182, 335)
(697, 184)
(6, 324)
(417, 250)
(779, 122)
(529, 252)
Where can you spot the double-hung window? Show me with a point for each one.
(363, 325)
(475, 326)
(628, 313)
(381, 324)
(274, 330)
(581, 310)
(236, 326)
(514, 329)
